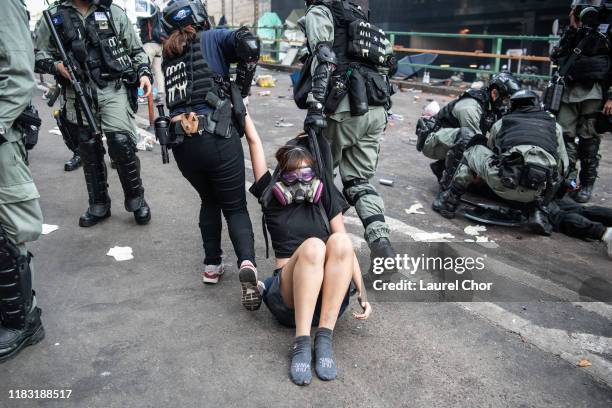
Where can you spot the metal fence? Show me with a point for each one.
(271, 50)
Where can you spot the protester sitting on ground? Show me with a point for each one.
(315, 259)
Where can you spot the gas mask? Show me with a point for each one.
(298, 186)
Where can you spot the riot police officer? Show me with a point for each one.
(348, 99)
(20, 214)
(112, 65)
(444, 137)
(523, 163)
(586, 92)
(208, 120)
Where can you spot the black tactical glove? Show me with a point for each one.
(315, 120)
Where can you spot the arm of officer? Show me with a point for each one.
(139, 57)
(16, 76)
(320, 34)
(493, 135)
(469, 113)
(46, 60)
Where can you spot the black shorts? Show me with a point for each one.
(286, 316)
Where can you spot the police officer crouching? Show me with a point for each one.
(523, 163)
(445, 136)
(102, 44)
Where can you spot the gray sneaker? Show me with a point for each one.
(212, 273)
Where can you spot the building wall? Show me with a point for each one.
(237, 12)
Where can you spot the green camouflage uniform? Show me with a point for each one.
(355, 140)
(111, 106)
(468, 112)
(479, 162)
(20, 214)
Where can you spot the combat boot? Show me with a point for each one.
(74, 163)
(538, 222)
(588, 152)
(20, 318)
(381, 249)
(14, 339)
(447, 201)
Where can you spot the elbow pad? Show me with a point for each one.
(323, 72)
(45, 66)
(248, 51)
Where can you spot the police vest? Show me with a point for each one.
(528, 128)
(356, 39)
(594, 63)
(189, 78)
(446, 119)
(99, 53)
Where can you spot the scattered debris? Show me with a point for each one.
(55, 131)
(265, 93)
(282, 124)
(386, 182)
(474, 230)
(121, 253)
(584, 363)
(433, 236)
(48, 228)
(395, 116)
(415, 209)
(105, 374)
(431, 110)
(265, 81)
(147, 140)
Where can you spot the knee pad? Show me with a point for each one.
(121, 147)
(92, 151)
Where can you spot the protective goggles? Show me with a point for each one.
(303, 175)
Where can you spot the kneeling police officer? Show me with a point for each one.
(524, 162)
(444, 137)
(112, 65)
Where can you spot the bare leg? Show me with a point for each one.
(301, 281)
(340, 256)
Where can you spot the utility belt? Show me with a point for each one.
(365, 86)
(29, 123)
(206, 126)
(514, 172)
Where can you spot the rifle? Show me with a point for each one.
(71, 67)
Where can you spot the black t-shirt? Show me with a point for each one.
(291, 225)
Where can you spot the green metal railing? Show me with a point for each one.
(271, 50)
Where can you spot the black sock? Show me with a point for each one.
(325, 364)
(301, 373)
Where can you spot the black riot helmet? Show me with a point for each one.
(182, 13)
(505, 83)
(523, 99)
(589, 12)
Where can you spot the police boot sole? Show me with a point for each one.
(93, 221)
(251, 298)
(143, 220)
(35, 338)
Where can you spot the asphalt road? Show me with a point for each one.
(147, 333)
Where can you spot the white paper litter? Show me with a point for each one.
(55, 132)
(47, 228)
(475, 230)
(432, 236)
(415, 209)
(121, 253)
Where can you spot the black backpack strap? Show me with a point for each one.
(574, 56)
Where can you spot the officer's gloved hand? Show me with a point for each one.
(315, 120)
